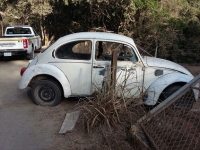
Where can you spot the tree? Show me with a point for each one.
(38, 15)
(155, 25)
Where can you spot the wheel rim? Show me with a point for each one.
(46, 94)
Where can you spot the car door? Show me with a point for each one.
(129, 76)
(74, 59)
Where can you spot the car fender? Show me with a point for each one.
(45, 69)
(155, 89)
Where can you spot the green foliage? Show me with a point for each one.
(150, 4)
(139, 4)
(169, 27)
(177, 23)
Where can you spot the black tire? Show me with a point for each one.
(46, 93)
(183, 104)
(31, 55)
(169, 91)
(38, 50)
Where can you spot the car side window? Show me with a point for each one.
(103, 51)
(78, 50)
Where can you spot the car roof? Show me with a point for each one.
(97, 35)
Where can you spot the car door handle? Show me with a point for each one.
(128, 69)
(131, 69)
(98, 67)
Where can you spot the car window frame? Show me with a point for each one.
(120, 42)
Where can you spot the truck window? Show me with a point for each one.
(18, 31)
(103, 51)
(78, 50)
(35, 32)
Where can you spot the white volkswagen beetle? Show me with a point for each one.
(76, 64)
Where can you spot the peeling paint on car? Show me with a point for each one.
(102, 72)
(45, 69)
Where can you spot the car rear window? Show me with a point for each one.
(18, 31)
(78, 50)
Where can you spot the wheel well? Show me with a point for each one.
(33, 47)
(42, 77)
(177, 83)
(173, 84)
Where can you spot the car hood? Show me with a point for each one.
(162, 63)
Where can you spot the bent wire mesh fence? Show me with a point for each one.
(175, 123)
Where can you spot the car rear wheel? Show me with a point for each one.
(46, 93)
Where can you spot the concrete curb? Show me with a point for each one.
(69, 122)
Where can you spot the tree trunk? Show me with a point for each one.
(2, 27)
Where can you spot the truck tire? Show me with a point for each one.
(38, 50)
(46, 93)
(31, 55)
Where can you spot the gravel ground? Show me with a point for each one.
(26, 126)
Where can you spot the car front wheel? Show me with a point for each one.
(46, 93)
(183, 104)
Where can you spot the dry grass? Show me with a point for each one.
(108, 108)
(110, 117)
(103, 110)
(108, 113)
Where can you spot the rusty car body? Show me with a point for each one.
(76, 64)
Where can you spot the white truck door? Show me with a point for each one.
(74, 59)
(129, 70)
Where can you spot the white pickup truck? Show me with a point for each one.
(19, 40)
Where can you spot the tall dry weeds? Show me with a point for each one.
(109, 109)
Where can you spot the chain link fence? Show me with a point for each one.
(175, 123)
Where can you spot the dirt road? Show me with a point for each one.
(24, 125)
